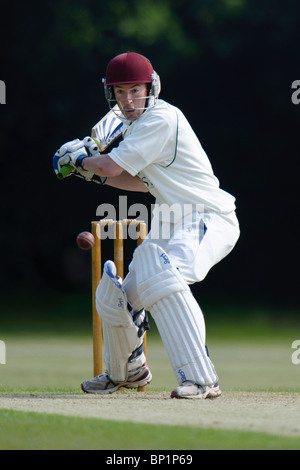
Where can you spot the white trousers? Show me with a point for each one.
(193, 245)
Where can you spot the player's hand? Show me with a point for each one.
(92, 150)
(91, 146)
(63, 155)
(73, 153)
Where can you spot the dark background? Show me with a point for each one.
(228, 64)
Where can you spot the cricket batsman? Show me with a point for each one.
(161, 154)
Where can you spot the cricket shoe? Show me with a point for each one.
(191, 390)
(103, 384)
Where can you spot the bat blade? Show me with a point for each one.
(108, 129)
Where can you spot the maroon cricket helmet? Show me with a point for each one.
(129, 67)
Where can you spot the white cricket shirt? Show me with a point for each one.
(163, 150)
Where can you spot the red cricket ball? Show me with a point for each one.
(85, 241)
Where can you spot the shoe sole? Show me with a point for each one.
(210, 395)
(99, 392)
(129, 385)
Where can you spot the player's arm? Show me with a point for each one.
(91, 165)
(102, 165)
(127, 182)
(117, 177)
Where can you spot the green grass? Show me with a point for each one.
(31, 431)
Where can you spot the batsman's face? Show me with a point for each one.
(131, 99)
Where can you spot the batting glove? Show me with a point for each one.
(92, 150)
(73, 153)
(62, 156)
(91, 146)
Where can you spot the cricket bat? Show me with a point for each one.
(105, 132)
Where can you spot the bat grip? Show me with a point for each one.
(64, 172)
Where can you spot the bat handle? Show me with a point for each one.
(64, 172)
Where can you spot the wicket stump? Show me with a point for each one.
(96, 276)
